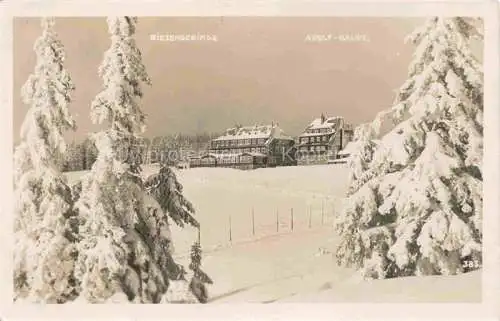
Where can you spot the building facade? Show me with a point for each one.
(322, 139)
(248, 147)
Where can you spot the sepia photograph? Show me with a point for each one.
(247, 159)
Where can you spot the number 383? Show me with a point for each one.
(471, 264)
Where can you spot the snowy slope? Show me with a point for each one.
(289, 266)
(299, 267)
(430, 289)
(218, 193)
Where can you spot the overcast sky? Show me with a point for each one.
(260, 69)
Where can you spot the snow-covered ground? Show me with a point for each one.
(299, 267)
(285, 265)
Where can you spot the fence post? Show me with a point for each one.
(230, 232)
(291, 218)
(253, 222)
(277, 221)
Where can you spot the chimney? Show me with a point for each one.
(323, 118)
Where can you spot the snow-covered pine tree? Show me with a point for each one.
(200, 278)
(364, 145)
(44, 234)
(116, 255)
(366, 141)
(417, 207)
(167, 191)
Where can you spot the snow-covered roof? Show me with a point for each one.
(348, 149)
(329, 123)
(280, 134)
(344, 152)
(254, 132)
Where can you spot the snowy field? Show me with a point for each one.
(276, 263)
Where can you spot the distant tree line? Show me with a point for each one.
(81, 156)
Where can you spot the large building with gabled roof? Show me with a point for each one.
(247, 147)
(322, 139)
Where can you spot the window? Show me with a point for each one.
(262, 141)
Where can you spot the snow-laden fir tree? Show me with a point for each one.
(166, 190)
(415, 203)
(199, 279)
(44, 230)
(120, 236)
